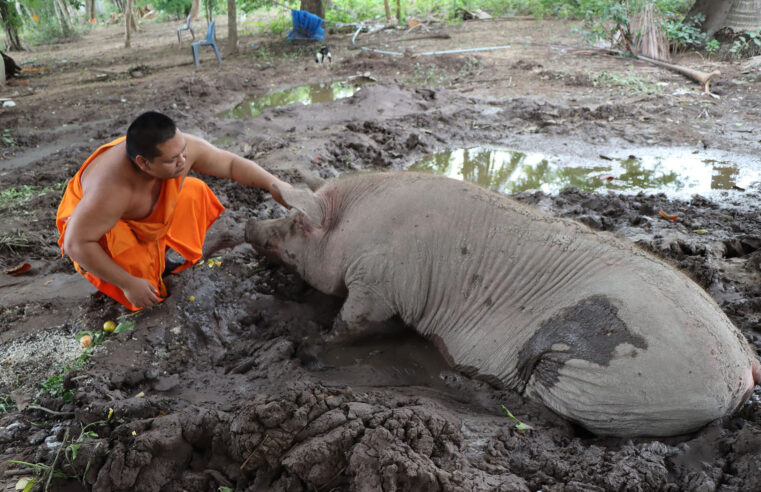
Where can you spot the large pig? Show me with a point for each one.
(601, 332)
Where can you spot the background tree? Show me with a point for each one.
(232, 27)
(128, 21)
(90, 9)
(11, 24)
(313, 6)
(714, 12)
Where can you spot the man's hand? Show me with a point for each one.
(141, 293)
(276, 193)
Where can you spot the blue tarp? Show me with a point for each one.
(306, 26)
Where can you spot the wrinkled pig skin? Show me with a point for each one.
(601, 332)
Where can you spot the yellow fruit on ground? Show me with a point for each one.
(85, 341)
(109, 326)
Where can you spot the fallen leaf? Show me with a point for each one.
(18, 269)
(668, 216)
(606, 177)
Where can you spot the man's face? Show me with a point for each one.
(172, 160)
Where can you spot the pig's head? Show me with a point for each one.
(299, 241)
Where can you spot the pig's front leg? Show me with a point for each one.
(364, 313)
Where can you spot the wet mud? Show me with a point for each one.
(229, 382)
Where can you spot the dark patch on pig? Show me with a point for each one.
(474, 284)
(591, 330)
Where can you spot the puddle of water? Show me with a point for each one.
(679, 174)
(304, 94)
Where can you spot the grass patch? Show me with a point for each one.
(6, 404)
(632, 82)
(16, 240)
(12, 197)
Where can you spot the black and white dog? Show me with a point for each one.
(322, 55)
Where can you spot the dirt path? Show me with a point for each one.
(226, 390)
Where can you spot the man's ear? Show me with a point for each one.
(305, 202)
(142, 162)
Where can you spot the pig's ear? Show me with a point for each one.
(311, 179)
(305, 202)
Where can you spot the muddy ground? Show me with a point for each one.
(226, 390)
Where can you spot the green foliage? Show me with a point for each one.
(6, 404)
(746, 45)
(684, 35)
(712, 47)
(179, 8)
(6, 136)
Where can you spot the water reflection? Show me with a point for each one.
(511, 172)
(304, 94)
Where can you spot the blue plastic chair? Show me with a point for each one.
(306, 25)
(211, 40)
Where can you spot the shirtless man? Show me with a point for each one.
(132, 199)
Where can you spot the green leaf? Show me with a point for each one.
(508, 412)
(30, 485)
(74, 448)
(124, 326)
(222, 488)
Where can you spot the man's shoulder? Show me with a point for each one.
(112, 169)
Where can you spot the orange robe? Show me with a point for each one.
(185, 210)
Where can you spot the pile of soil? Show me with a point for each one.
(221, 384)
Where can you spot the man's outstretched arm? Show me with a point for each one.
(208, 159)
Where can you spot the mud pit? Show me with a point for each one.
(228, 389)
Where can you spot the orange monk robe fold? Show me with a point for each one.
(185, 210)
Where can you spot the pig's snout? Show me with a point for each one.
(263, 236)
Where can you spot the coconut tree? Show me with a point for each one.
(740, 15)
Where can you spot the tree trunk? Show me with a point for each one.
(232, 28)
(388, 11)
(60, 11)
(715, 12)
(313, 6)
(195, 7)
(90, 9)
(399, 12)
(2, 74)
(128, 24)
(209, 8)
(11, 23)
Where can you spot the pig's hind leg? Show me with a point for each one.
(364, 313)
